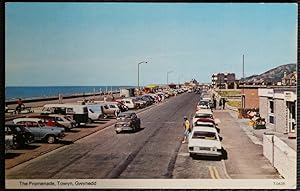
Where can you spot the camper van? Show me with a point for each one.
(78, 112)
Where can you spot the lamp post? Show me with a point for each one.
(168, 76)
(139, 73)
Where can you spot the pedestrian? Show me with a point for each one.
(223, 102)
(20, 104)
(187, 129)
(214, 103)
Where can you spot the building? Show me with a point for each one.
(289, 80)
(278, 107)
(224, 80)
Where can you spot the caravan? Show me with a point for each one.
(78, 112)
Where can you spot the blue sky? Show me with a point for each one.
(101, 43)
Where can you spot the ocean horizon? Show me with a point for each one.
(25, 92)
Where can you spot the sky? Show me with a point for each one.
(102, 43)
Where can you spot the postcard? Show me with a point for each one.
(150, 95)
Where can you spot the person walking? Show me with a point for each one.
(214, 103)
(20, 104)
(187, 129)
(223, 102)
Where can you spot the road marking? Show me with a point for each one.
(211, 172)
(184, 154)
(225, 170)
(216, 172)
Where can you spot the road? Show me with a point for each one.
(155, 152)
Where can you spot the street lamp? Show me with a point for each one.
(168, 76)
(139, 73)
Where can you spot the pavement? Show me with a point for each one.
(244, 150)
(256, 135)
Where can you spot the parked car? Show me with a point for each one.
(127, 121)
(139, 103)
(79, 113)
(121, 105)
(56, 120)
(129, 102)
(202, 113)
(203, 104)
(21, 135)
(205, 141)
(206, 122)
(110, 109)
(95, 112)
(47, 120)
(40, 131)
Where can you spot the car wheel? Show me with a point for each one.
(51, 139)
(192, 155)
(16, 144)
(90, 120)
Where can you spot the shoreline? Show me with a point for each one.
(49, 98)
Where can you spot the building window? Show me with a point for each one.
(271, 106)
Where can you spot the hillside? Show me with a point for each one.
(273, 75)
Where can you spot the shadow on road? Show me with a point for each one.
(224, 156)
(73, 131)
(66, 142)
(11, 155)
(30, 147)
(89, 126)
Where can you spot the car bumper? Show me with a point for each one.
(123, 128)
(206, 153)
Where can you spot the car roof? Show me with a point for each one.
(26, 119)
(204, 111)
(205, 129)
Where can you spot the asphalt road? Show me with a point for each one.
(149, 153)
(155, 152)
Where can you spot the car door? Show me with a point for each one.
(35, 129)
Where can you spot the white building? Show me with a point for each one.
(278, 107)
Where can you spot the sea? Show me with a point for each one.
(14, 92)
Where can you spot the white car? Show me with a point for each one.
(203, 104)
(205, 141)
(202, 113)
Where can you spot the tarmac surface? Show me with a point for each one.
(154, 152)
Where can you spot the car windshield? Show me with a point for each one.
(203, 115)
(204, 135)
(203, 103)
(201, 124)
